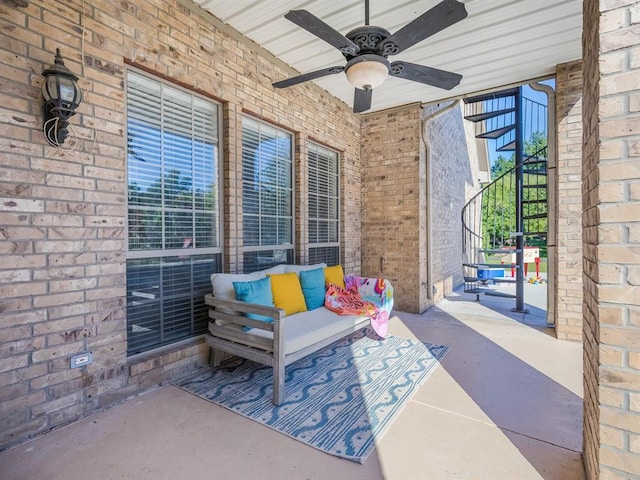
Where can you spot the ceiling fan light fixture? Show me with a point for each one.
(368, 71)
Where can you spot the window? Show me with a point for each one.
(324, 202)
(173, 211)
(267, 195)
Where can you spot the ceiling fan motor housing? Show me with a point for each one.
(368, 68)
(368, 39)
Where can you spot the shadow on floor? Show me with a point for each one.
(508, 390)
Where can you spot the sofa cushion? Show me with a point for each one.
(258, 292)
(334, 275)
(301, 268)
(222, 284)
(313, 288)
(287, 293)
(281, 268)
(310, 327)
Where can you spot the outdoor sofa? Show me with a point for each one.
(277, 339)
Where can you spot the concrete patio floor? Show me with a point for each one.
(505, 403)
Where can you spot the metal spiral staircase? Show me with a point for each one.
(511, 211)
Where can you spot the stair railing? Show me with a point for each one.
(489, 218)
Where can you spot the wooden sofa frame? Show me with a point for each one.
(266, 351)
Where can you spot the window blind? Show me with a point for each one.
(173, 211)
(267, 195)
(323, 205)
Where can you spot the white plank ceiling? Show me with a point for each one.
(501, 42)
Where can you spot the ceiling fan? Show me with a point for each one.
(367, 48)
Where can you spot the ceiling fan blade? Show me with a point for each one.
(305, 77)
(441, 16)
(313, 24)
(361, 100)
(427, 75)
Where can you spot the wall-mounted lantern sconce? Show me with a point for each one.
(61, 96)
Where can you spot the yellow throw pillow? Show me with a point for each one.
(334, 275)
(287, 292)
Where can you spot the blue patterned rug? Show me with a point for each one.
(339, 400)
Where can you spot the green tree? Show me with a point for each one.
(502, 165)
(498, 213)
(536, 143)
(498, 204)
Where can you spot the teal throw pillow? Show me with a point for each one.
(313, 287)
(257, 291)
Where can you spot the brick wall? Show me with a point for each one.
(394, 181)
(568, 175)
(63, 213)
(393, 204)
(611, 239)
(454, 177)
(590, 159)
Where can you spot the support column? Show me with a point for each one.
(519, 215)
(611, 239)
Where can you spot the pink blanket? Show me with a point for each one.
(363, 297)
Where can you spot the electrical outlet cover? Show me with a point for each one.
(81, 359)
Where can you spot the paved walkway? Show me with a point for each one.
(535, 299)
